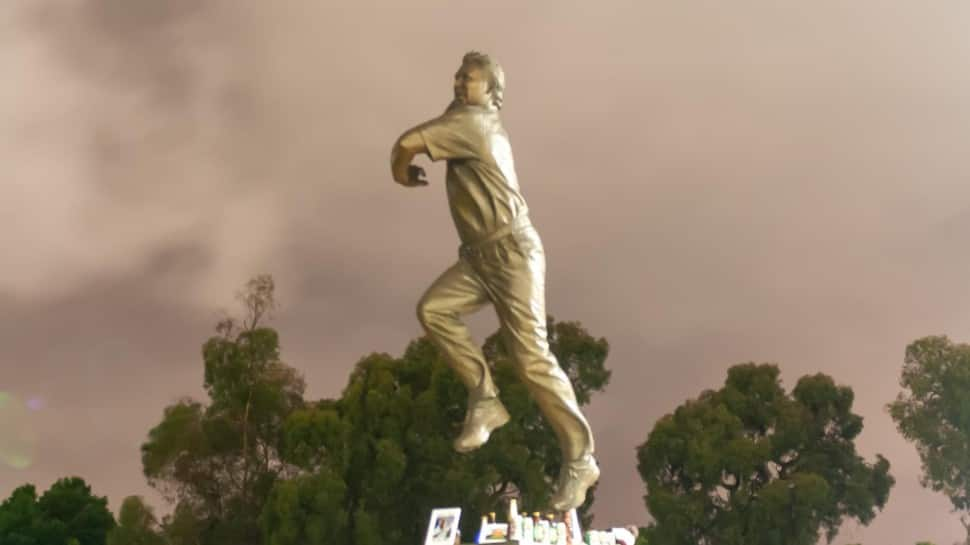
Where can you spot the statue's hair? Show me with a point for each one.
(496, 75)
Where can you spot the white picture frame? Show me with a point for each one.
(493, 532)
(443, 526)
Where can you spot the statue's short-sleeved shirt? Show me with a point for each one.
(483, 191)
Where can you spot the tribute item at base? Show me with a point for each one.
(500, 261)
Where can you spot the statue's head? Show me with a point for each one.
(480, 80)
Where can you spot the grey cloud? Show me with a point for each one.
(713, 184)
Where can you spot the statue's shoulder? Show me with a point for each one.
(478, 112)
(471, 118)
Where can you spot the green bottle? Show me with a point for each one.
(538, 535)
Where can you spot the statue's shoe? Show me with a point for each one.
(575, 478)
(482, 418)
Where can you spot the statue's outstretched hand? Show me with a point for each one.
(415, 177)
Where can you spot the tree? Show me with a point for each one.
(66, 511)
(749, 464)
(137, 524)
(218, 462)
(381, 455)
(184, 526)
(933, 411)
(308, 510)
(69, 505)
(20, 517)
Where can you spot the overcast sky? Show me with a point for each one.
(714, 183)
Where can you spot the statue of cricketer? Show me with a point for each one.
(500, 261)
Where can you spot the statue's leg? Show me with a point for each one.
(455, 293)
(514, 271)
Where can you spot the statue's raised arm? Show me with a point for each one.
(403, 152)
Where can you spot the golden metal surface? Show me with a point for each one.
(501, 259)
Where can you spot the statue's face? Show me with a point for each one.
(471, 86)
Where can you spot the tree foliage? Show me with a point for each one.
(137, 524)
(933, 411)
(66, 511)
(219, 461)
(258, 464)
(380, 457)
(308, 510)
(20, 517)
(751, 465)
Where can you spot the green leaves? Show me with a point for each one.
(20, 517)
(137, 525)
(219, 461)
(749, 464)
(385, 447)
(67, 511)
(307, 510)
(933, 411)
(258, 462)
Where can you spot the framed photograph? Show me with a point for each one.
(493, 532)
(443, 526)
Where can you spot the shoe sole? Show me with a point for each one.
(493, 425)
(586, 483)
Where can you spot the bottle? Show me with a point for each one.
(567, 529)
(538, 535)
(515, 523)
(491, 517)
(553, 530)
(481, 530)
(575, 531)
(527, 530)
(562, 534)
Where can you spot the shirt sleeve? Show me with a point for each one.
(451, 136)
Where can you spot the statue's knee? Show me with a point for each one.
(427, 314)
(424, 316)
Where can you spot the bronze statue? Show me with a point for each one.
(500, 261)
